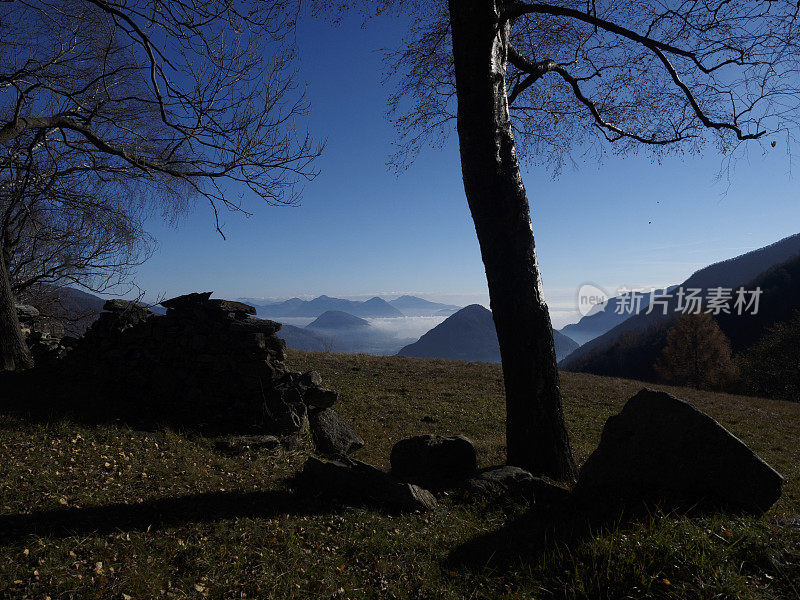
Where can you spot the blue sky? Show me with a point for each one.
(362, 231)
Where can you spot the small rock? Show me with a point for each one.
(26, 312)
(506, 475)
(253, 325)
(193, 300)
(248, 442)
(359, 483)
(427, 419)
(126, 313)
(433, 459)
(332, 435)
(664, 451)
(120, 306)
(319, 398)
(508, 480)
(291, 418)
(310, 379)
(231, 306)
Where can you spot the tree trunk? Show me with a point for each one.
(14, 353)
(536, 435)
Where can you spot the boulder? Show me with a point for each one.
(356, 482)
(433, 459)
(332, 435)
(661, 450)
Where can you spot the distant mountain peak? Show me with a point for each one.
(336, 319)
(470, 334)
(414, 306)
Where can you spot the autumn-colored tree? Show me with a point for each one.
(697, 354)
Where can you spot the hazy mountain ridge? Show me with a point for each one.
(598, 321)
(413, 306)
(296, 307)
(338, 331)
(731, 273)
(338, 320)
(470, 335)
(634, 352)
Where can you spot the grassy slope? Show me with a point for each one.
(109, 512)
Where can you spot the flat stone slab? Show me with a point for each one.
(232, 306)
(195, 299)
(509, 481)
(359, 483)
(664, 451)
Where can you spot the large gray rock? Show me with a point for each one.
(662, 450)
(332, 435)
(433, 459)
(356, 482)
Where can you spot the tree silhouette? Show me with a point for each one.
(544, 78)
(156, 102)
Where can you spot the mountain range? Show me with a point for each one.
(630, 348)
(601, 328)
(470, 335)
(337, 331)
(337, 320)
(296, 307)
(601, 319)
(412, 306)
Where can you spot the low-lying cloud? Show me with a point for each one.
(406, 327)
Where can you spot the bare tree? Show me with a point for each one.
(61, 225)
(162, 101)
(551, 78)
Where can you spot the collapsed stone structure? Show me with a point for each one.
(45, 336)
(206, 362)
(210, 362)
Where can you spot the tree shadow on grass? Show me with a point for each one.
(155, 514)
(526, 539)
(562, 527)
(45, 395)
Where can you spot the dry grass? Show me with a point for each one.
(109, 512)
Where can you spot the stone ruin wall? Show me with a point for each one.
(206, 362)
